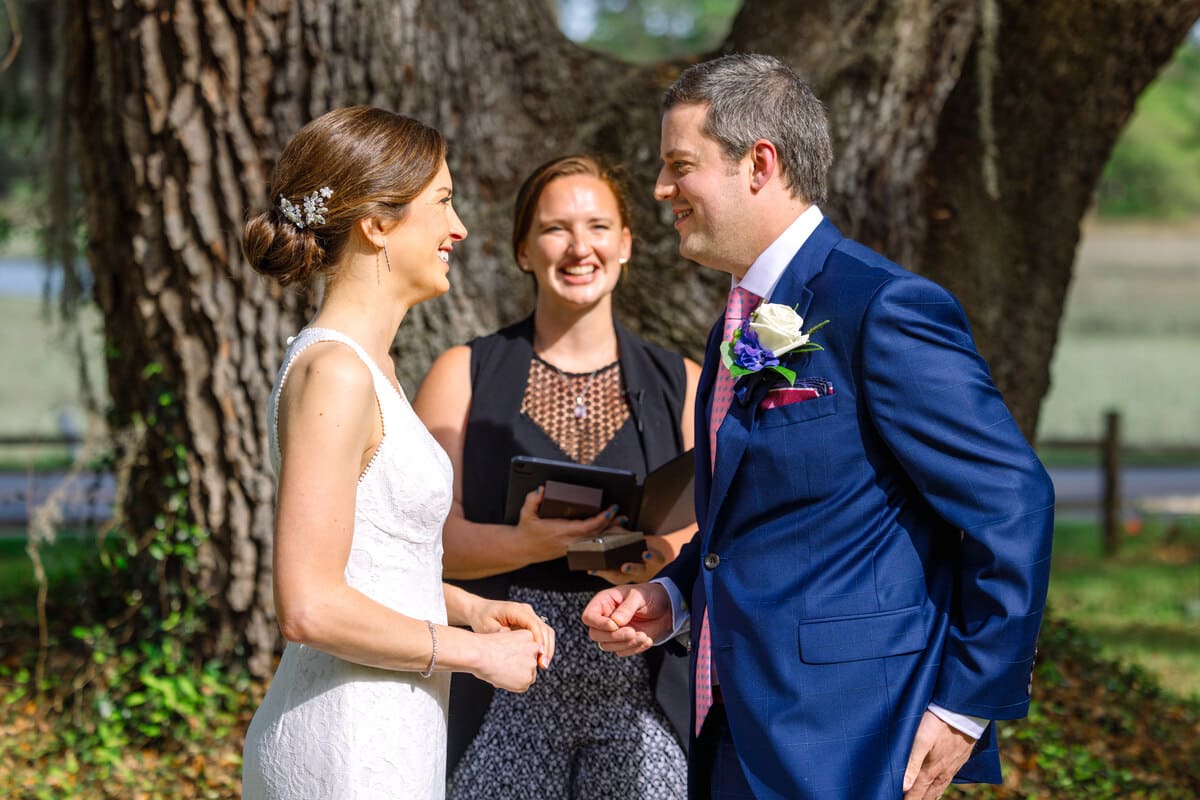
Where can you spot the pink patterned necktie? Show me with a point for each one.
(741, 303)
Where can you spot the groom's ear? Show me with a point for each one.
(764, 164)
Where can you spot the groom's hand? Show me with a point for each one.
(939, 751)
(628, 619)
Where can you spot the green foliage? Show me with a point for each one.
(67, 562)
(126, 662)
(1142, 605)
(1095, 729)
(642, 31)
(150, 723)
(165, 556)
(146, 718)
(150, 692)
(1154, 170)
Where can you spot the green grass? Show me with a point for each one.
(65, 562)
(1142, 606)
(1129, 339)
(35, 459)
(41, 379)
(51, 458)
(1053, 456)
(1153, 380)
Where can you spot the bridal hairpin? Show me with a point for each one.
(314, 210)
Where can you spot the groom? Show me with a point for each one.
(868, 579)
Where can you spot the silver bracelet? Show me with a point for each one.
(433, 658)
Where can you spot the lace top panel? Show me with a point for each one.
(581, 412)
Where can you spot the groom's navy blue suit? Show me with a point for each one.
(866, 553)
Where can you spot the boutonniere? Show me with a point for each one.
(772, 331)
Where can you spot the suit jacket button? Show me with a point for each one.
(712, 560)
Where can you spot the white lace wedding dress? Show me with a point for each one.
(329, 728)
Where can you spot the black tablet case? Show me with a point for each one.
(663, 503)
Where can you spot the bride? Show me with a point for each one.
(362, 198)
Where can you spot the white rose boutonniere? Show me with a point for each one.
(771, 331)
(778, 328)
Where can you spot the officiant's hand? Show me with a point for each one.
(493, 616)
(627, 620)
(547, 539)
(659, 552)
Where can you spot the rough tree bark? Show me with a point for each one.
(970, 134)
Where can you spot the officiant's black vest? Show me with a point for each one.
(655, 384)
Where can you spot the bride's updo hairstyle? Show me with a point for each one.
(346, 164)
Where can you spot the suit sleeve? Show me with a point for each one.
(683, 570)
(932, 400)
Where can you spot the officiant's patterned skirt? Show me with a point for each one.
(591, 721)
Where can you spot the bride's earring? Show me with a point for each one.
(387, 259)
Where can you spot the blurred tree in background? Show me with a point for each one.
(38, 181)
(641, 31)
(26, 106)
(1154, 171)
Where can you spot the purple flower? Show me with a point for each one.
(749, 354)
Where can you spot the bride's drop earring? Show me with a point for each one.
(387, 260)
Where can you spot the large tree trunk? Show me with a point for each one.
(969, 134)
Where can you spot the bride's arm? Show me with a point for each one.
(328, 427)
(472, 549)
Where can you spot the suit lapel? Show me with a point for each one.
(704, 397)
(734, 434)
(808, 262)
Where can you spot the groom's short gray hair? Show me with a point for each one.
(752, 97)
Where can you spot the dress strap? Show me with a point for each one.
(298, 344)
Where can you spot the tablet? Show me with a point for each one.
(669, 496)
(526, 473)
(663, 504)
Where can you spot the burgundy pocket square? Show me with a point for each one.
(787, 395)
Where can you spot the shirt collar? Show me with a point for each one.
(768, 268)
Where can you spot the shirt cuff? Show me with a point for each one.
(971, 726)
(681, 621)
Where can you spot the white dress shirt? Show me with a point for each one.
(761, 279)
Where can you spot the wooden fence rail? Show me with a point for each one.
(1112, 453)
(33, 440)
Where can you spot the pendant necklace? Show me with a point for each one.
(580, 406)
(580, 410)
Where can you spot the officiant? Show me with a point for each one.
(566, 383)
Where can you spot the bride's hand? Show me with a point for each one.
(509, 659)
(547, 538)
(492, 616)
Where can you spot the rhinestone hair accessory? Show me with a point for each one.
(314, 210)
